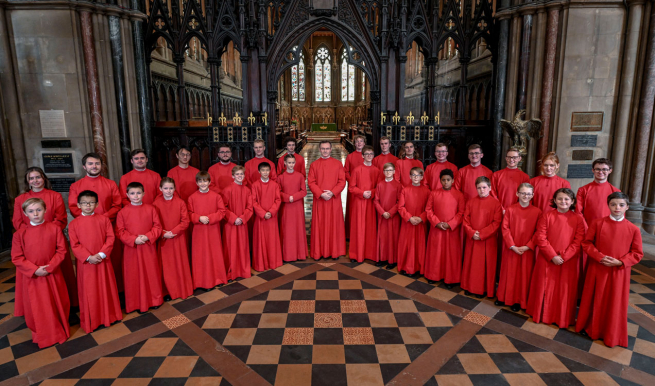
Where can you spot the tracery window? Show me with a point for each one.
(298, 79)
(322, 75)
(363, 83)
(347, 78)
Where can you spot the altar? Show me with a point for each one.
(319, 127)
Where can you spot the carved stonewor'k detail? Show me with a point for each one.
(521, 131)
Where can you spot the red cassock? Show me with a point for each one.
(174, 253)
(221, 175)
(387, 194)
(518, 230)
(544, 188)
(403, 166)
(185, 181)
(99, 303)
(353, 161)
(411, 242)
(45, 301)
(432, 179)
(504, 184)
(266, 248)
(141, 269)
(444, 252)
(363, 232)
(591, 200)
(382, 159)
(252, 170)
(554, 288)
(604, 307)
(150, 181)
(236, 248)
(56, 214)
(109, 203)
(208, 262)
(293, 234)
(300, 165)
(483, 214)
(328, 238)
(466, 176)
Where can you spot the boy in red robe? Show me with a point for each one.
(146, 177)
(206, 210)
(406, 162)
(252, 166)
(293, 234)
(554, 285)
(238, 210)
(139, 228)
(411, 241)
(363, 232)
(326, 180)
(37, 252)
(387, 194)
(173, 247)
(466, 176)
(267, 252)
(505, 182)
(353, 161)
(614, 245)
(547, 183)
(445, 209)
(221, 172)
(433, 171)
(591, 197)
(290, 144)
(518, 228)
(92, 239)
(184, 174)
(385, 156)
(482, 219)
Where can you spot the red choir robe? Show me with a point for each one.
(353, 161)
(236, 248)
(380, 160)
(150, 181)
(432, 179)
(141, 269)
(483, 214)
(293, 234)
(266, 248)
(221, 175)
(466, 176)
(554, 288)
(504, 184)
(403, 166)
(174, 253)
(387, 194)
(300, 165)
(519, 226)
(544, 188)
(252, 170)
(185, 181)
(328, 238)
(443, 260)
(56, 214)
(591, 200)
(98, 294)
(109, 203)
(412, 240)
(45, 302)
(208, 264)
(363, 232)
(604, 305)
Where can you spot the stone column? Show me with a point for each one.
(500, 84)
(92, 87)
(524, 62)
(142, 73)
(464, 60)
(400, 87)
(214, 68)
(552, 27)
(246, 103)
(181, 89)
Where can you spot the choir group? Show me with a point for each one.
(532, 243)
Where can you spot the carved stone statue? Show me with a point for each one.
(521, 131)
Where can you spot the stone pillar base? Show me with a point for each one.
(648, 219)
(635, 213)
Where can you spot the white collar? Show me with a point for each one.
(264, 181)
(389, 180)
(88, 215)
(141, 203)
(617, 220)
(167, 199)
(41, 223)
(225, 163)
(140, 170)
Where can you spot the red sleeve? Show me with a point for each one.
(123, 234)
(574, 248)
(155, 232)
(108, 246)
(507, 233)
(247, 214)
(404, 214)
(353, 188)
(636, 250)
(376, 201)
(589, 242)
(491, 229)
(214, 218)
(80, 252)
(466, 223)
(346, 168)
(313, 185)
(230, 216)
(23, 265)
(302, 193)
(541, 239)
(116, 203)
(394, 208)
(184, 220)
(341, 182)
(580, 200)
(122, 190)
(424, 215)
(457, 220)
(72, 201)
(276, 204)
(60, 253)
(434, 220)
(61, 217)
(256, 206)
(458, 181)
(195, 218)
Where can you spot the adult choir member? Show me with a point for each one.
(252, 166)
(363, 232)
(387, 194)
(406, 162)
(433, 171)
(466, 176)
(267, 252)
(146, 177)
(238, 211)
(293, 234)
(547, 183)
(353, 161)
(184, 174)
(505, 182)
(221, 172)
(290, 145)
(592, 197)
(411, 207)
(385, 156)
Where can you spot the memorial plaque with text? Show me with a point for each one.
(53, 123)
(56, 144)
(584, 140)
(61, 185)
(58, 163)
(582, 155)
(587, 121)
(579, 171)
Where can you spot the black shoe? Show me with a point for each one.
(499, 303)
(167, 298)
(353, 261)
(479, 296)
(467, 293)
(155, 307)
(516, 308)
(450, 286)
(584, 333)
(414, 275)
(380, 263)
(230, 281)
(392, 266)
(141, 313)
(206, 289)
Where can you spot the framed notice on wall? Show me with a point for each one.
(53, 123)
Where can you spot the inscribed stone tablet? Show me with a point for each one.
(584, 121)
(580, 171)
(53, 123)
(584, 140)
(58, 163)
(61, 185)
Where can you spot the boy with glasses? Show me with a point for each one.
(592, 197)
(433, 171)
(465, 181)
(387, 194)
(505, 181)
(412, 240)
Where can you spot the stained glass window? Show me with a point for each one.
(298, 79)
(322, 75)
(347, 79)
(363, 83)
(294, 83)
(301, 79)
(351, 82)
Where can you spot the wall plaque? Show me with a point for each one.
(582, 155)
(56, 143)
(584, 140)
(61, 185)
(579, 171)
(53, 123)
(587, 121)
(58, 163)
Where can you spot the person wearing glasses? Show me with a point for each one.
(505, 182)
(221, 172)
(466, 177)
(591, 197)
(184, 174)
(387, 194)
(433, 171)
(412, 241)
(547, 183)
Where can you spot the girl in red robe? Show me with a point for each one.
(482, 219)
(518, 229)
(614, 245)
(406, 162)
(37, 251)
(353, 161)
(363, 232)
(411, 242)
(238, 210)
(293, 234)
(173, 246)
(387, 194)
(547, 183)
(92, 240)
(267, 252)
(445, 210)
(554, 285)
(139, 228)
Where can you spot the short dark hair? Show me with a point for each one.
(87, 193)
(289, 139)
(183, 147)
(368, 148)
(91, 155)
(482, 180)
(447, 172)
(322, 142)
(263, 165)
(287, 156)
(166, 180)
(134, 185)
(601, 161)
(220, 145)
(566, 191)
(137, 151)
(618, 196)
(203, 175)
